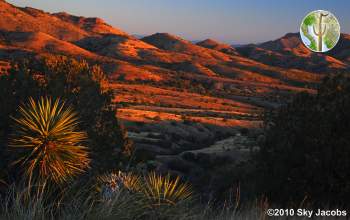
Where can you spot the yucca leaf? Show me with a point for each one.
(49, 143)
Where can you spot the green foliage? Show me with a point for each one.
(313, 45)
(328, 43)
(47, 141)
(307, 147)
(310, 20)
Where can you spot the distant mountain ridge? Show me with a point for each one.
(161, 56)
(174, 95)
(289, 52)
(60, 25)
(212, 44)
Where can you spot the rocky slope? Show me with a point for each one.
(289, 52)
(175, 96)
(212, 44)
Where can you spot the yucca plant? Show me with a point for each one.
(110, 184)
(154, 195)
(48, 142)
(166, 198)
(162, 190)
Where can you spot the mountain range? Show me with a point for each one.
(165, 81)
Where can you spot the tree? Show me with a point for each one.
(15, 87)
(83, 87)
(86, 89)
(307, 147)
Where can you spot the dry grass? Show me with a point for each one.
(139, 94)
(136, 115)
(124, 205)
(85, 204)
(151, 105)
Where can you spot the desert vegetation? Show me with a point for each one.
(306, 147)
(98, 124)
(65, 156)
(48, 143)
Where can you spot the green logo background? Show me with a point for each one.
(320, 31)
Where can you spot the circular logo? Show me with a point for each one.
(320, 31)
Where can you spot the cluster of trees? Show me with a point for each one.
(61, 145)
(80, 86)
(306, 150)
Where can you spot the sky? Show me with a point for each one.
(230, 21)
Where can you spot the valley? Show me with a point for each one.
(181, 102)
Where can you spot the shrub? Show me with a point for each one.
(124, 205)
(15, 88)
(83, 87)
(110, 184)
(159, 196)
(161, 190)
(86, 88)
(47, 141)
(307, 147)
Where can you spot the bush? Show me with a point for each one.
(47, 142)
(124, 205)
(157, 196)
(82, 86)
(307, 148)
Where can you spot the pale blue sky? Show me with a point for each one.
(231, 21)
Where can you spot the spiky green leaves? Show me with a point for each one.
(160, 190)
(48, 142)
(154, 195)
(310, 20)
(156, 189)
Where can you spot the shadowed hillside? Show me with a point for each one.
(212, 44)
(97, 123)
(174, 96)
(289, 52)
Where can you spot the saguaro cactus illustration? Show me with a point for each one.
(321, 31)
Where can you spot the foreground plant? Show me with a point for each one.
(165, 197)
(157, 189)
(111, 184)
(160, 190)
(48, 142)
(154, 196)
